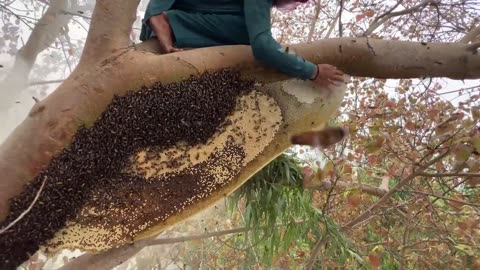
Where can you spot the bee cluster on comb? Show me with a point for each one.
(93, 166)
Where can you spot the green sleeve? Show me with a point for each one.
(265, 48)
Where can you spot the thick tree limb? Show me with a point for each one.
(366, 57)
(52, 122)
(109, 30)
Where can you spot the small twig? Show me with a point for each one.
(314, 20)
(473, 47)
(390, 14)
(28, 209)
(340, 25)
(76, 14)
(436, 199)
(44, 82)
(444, 198)
(316, 251)
(450, 174)
(388, 195)
(328, 185)
(471, 35)
(36, 99)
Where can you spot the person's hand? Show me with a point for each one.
(327, 75)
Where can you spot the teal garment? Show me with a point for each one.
(205, 23)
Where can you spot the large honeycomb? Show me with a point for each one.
(151, 154)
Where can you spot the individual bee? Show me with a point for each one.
(323, 138)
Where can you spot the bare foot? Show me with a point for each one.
(164, 33)
(169, 49)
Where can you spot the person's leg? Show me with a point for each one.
(197, 30)
(163, 33)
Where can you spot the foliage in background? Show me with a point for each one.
(281, 224)
(415, 137)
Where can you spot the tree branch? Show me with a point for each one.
(45, 82)
(340, 25)
(113, 257)
(390, 14)
(313, 23)
(316, 250)
(389, 194)
(326, 185)
(355, 56)
(471, 36)
(27, 210)
(109, 31)
(443, 198)
(332, 25)
(450, 174)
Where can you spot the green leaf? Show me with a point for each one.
(248, 215)
(467, 249)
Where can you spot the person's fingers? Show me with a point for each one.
(338, 72)
(336, 83)
(338, 78)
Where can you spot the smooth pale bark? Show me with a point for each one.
(109, 30)
(472, 35)
(81, 98)
(387, 59)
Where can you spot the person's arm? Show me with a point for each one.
(266, 49)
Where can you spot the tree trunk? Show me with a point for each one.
(108, 67)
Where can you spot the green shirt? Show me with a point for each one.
(256, 16)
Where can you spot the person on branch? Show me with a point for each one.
(178, 24)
